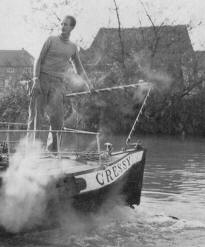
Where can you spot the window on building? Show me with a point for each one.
(10, 70)
(6, 83)
(27, 70)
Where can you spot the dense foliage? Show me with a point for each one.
(14, 105)
(115, 111)
(169, 110)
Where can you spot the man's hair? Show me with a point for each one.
(72, 20)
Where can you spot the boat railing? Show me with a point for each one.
(80, 143)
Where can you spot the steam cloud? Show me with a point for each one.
(23, 196)
(74, 81)
(160, 78)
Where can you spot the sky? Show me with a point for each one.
(21, 26)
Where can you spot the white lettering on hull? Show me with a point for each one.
(98, 179)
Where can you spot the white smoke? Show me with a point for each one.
(74, 81)
(23, 196)
(161, 79)
(141, 91)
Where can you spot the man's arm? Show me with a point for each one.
(37, 67)
(80, 70)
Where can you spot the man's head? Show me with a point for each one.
(68, 24)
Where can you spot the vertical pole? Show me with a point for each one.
(98, 146)
(8, 139)
(35, 122)
(58, 144)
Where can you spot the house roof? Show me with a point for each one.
(173, 40)
(167, 33)
(15, 58)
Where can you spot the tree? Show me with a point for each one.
(49, 13)
(167, 109)
(119, 33)
(14, 105)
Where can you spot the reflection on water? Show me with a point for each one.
(171, 211)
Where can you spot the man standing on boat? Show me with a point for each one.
(57, 56)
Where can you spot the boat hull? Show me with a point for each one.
(89, 187)
(91, 190)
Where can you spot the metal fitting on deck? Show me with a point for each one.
(108, 148)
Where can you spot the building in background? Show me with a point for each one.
(16, 66)
(156, 50)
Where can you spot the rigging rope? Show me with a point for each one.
(108, 89)
(137, 118)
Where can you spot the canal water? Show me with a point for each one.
(171, 213)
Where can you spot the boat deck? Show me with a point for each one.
(56, 166)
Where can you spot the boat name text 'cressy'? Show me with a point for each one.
(114, 171)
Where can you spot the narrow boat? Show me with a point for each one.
(80, 172)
